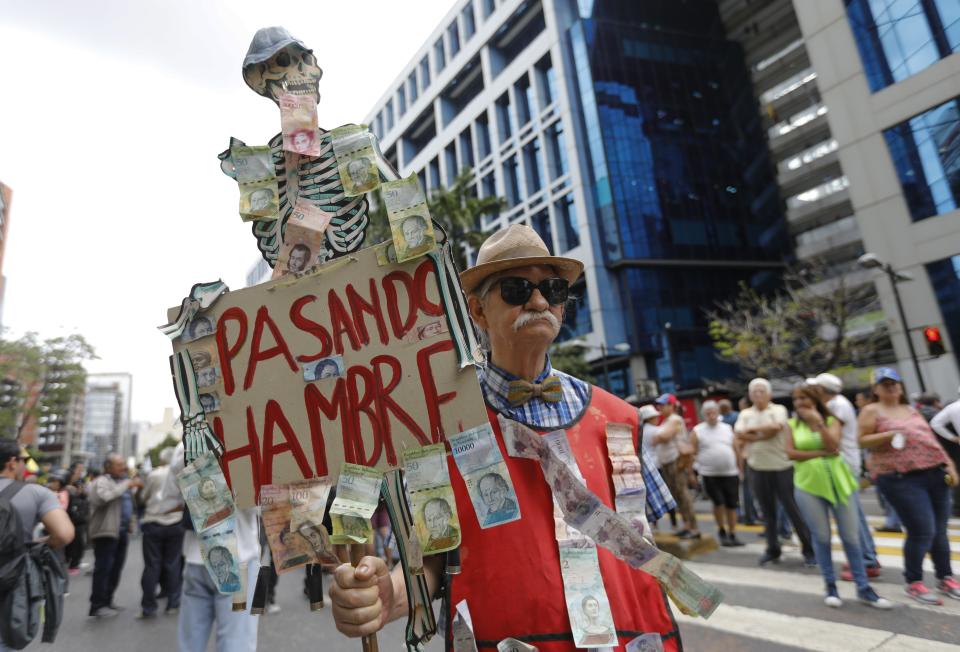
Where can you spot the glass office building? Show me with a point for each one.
(899, 38)
(627, 134)
(926, 152)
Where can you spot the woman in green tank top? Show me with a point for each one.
(823, 484)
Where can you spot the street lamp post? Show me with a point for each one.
(871, 261)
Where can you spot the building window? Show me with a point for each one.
(469, 23)
(422, 176)
(378, 125)
(424, 73)
(556, 151)
(482, 128)
(525, 103)
(546, 78)
(504, 118)
(453, 38)
(388, 110)
(450, 160)
(439, 58)
(466, 149)
(945, 279)
(489, 185)
(488, 7)
(576, 319)
(511, 181)
(926, 154)
(401, 101)
(898, 39)
(435, 174)
(532, 166)
(412, 86)
(568, 233)
(540, 222)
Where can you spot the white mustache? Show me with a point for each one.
(528, 316)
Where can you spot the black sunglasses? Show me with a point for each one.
(517, 291)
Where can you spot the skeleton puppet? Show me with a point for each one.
(277, 63)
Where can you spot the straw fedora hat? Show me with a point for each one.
(516, 246)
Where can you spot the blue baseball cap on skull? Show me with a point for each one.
(267, 42)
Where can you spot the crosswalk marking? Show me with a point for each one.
(804, 584)
(811, 633)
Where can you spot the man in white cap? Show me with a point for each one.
(843, 409)
(517, 294)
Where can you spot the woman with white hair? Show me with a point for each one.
(763, 429)
(716, 453)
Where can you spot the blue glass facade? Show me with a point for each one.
(926, 153)
(899, 38)
(945, 278)
(681, 184)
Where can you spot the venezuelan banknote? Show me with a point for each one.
(431, 496)
(259, 200)
(298, 122)
(308, 504)
(358, 492)
(252, 163)
(479, 461)
(646, 643)
(513, 645)
(218, 549)
(304, 240)
(356, 159)
(587, 604)
(462, 626)
(206, 493)
(631, 491)
(584, 511)
(409, 217)
(288, 549)
(687, 590)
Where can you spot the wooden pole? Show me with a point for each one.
(356, 552)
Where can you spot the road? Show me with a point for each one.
(777, 608)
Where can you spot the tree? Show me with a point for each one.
(39, 378)
(154, 453)
(804, 329)
(571, 359)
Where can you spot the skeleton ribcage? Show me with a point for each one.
(316, 180)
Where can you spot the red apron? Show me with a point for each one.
(511, 573)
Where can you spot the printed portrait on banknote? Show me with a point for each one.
(259, 200)
(646, 643)
(438, 519)
(200, 326)
(498, 497)
(323, 368)
(413, 236)
(485, 474)
(303, 240)
(210, 401)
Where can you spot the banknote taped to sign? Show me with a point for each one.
(277, 428)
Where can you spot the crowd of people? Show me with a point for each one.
(792, 473)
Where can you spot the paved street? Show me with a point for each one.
(778, 608)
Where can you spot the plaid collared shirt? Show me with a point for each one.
(544, 415)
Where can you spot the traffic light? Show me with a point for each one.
(934, 340)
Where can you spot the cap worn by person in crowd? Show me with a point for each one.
(648, 412)
(667, 399)
(829, 382)
(881, 374)
(516, 246)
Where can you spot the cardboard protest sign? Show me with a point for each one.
(397, 383)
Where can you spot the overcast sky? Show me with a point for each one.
(112, 116)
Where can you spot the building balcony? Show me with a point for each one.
(838, 240)
(793, 59)
(808, 174)
(829, 208)
(799, 132)
(761, 28)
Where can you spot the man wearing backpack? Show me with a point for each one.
(22, 507)
(112, 507)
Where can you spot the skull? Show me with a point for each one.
(277, 63)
